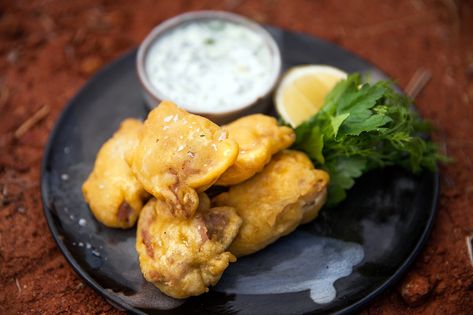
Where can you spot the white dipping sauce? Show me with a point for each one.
(210, 65)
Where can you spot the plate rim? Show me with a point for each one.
(44, 176)
(121, 304)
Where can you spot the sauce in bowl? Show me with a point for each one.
(211, 63)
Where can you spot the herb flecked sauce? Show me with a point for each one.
(210, 66)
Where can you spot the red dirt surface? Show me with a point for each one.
(48, 49)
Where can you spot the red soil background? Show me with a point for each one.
(48, 49)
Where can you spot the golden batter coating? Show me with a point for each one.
(259, 137)
(289, 191)
(184, 256)
(113, 193)
(179, 155)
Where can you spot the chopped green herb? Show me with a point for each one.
(216, 25)
(362, 127)
(209, 41)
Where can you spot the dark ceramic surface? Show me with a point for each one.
(380, 228)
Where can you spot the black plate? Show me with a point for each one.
(380, 228)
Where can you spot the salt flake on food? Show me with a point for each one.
(223, 136)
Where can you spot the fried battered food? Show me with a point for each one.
(259, 137)
(179, 155)
(183, 257)
(113, 193)
(289, 191)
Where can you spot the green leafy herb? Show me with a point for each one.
(209, 41)
(362, 127)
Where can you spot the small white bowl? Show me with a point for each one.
(153, 95)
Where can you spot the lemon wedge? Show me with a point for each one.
(302, 91)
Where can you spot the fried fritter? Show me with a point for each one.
(179, 155)
(289, 191)
(113, 193)
(259, 137)
(183, 257)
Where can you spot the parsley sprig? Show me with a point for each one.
(362, 127)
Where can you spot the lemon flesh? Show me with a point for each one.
(302, 91)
